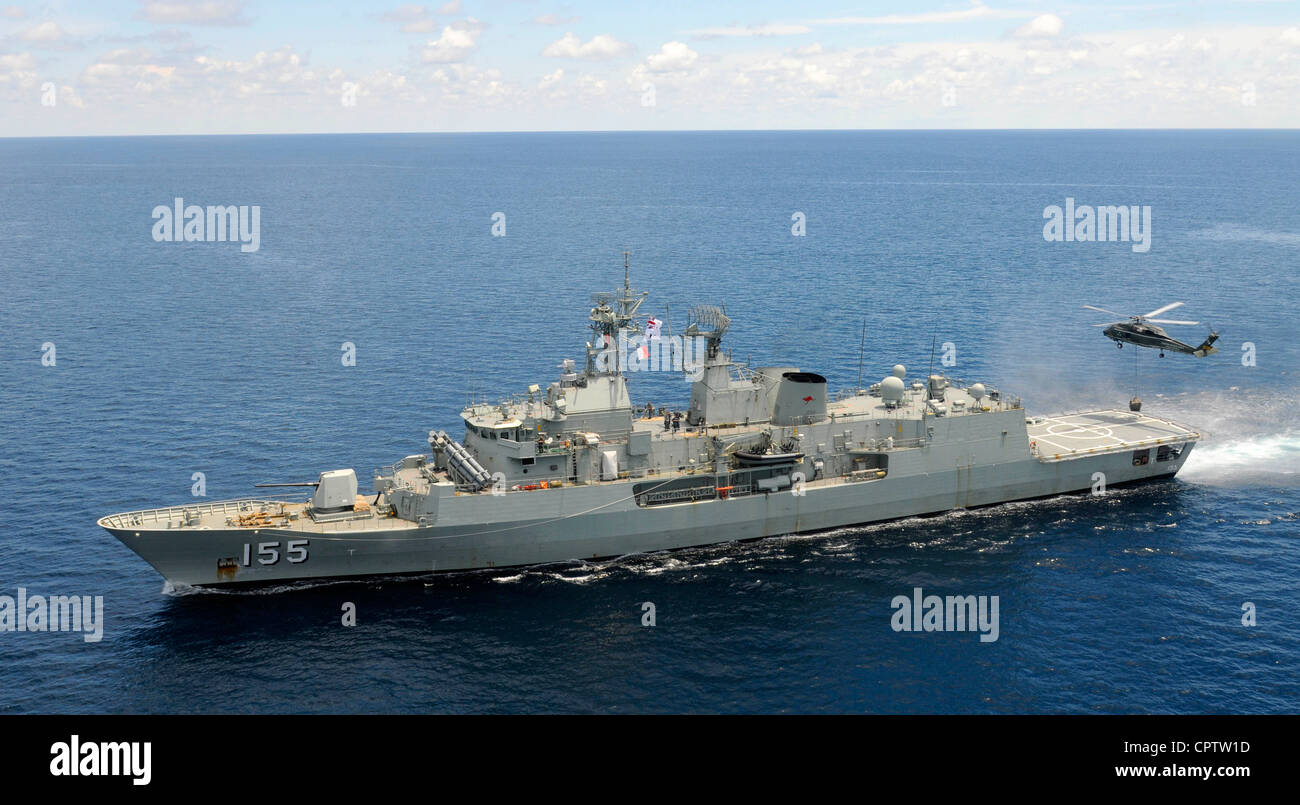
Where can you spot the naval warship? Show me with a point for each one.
(575, 471)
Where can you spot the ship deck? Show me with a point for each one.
(253, 515)
(1066, 436)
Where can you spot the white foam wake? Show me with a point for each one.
(1243, 459)
(1252, 437)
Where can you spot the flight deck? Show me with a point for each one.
(1067, 436)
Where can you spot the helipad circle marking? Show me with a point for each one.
(1073, 430)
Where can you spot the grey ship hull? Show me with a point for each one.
(584, 522)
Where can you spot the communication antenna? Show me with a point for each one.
(861, 349)
(933, 339)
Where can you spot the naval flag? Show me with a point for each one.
(652, 326)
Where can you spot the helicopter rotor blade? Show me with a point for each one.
(1160, 310)
(1104, 310)
(1171, 321)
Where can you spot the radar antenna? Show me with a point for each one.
(612, 313)
(708, 322)
(617, 311)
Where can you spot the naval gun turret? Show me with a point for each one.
(335, 493)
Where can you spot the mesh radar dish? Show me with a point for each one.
(708, 322)
(711, 317)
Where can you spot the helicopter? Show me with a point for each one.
(1143, 332)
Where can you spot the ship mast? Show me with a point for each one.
(612, 314)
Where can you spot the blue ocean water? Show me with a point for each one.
(177, 358)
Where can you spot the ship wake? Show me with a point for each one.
(1251, 437)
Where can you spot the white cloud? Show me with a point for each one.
(277, 66)
(70, 96)
(1037, 75)
(977, 11)
(598, 48)
(555, 19)
(737, 31)
(472, 89)
(1045, 25)
(414, 18)
(592, 87)
(456, 42)
(126, 56)
(47, 31)
(1193, 76)
(13, 62)
(551, 79)
(203, 12)
(417, 19)
(125, 71)
(13, 13)
(672, 56)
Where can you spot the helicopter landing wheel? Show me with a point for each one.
(1162, 354)
(1118, 345)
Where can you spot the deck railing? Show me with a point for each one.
(167, 515)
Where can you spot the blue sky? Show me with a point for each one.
(226, 66)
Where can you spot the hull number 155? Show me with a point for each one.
(268, 553)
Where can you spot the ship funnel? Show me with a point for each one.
(800, 399)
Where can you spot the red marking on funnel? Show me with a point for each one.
(807, 399)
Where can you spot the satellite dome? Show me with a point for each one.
(977, 391)
(900, 371)
(891, 389)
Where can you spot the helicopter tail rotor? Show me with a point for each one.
(1207, 348)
